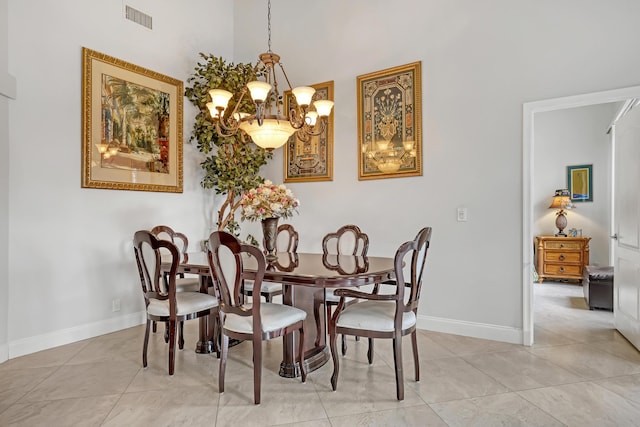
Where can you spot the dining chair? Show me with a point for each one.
(253, 322)
(347, 240)
(183, 284)
(166, 305)
(287, 241)
(385, 315)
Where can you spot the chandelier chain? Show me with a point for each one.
(269, 24)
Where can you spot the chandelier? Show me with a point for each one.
(269, 128)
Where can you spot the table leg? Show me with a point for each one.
(314, 357)
(205, 341)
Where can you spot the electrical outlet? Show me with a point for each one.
(462, 214)
(115, 305)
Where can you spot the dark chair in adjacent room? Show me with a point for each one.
(287, 241)
(597, 285)
(348, 240)
(253, 322)
(166, 305)
(385, 315)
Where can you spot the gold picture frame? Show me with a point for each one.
(390, 122)
(131, 126)
(308, 161)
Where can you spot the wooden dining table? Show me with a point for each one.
(302, 276)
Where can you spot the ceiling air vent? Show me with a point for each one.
(139, 17)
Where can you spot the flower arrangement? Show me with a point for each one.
(268, 201)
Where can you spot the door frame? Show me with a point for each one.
(529, 109)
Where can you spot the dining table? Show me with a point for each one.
(302, 275)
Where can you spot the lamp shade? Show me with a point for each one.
(561, 200)
(323, 107)
(273, 133)
(219, 98)
(259, 90)
(303, 94)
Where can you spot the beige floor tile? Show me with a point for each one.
(507, 409)
(627, 386)
(88, 411)
(461, 346)
(587, 361)
(521, 370)
(314, 423)
(25, 379)
(191, 406)
(420, 415)
(282, 401)
(57, 356)
(453, 378)
(92, 379)
(584, 404)
(10, 396)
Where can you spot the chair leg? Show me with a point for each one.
(344, 344)
(257, 368)
(303, 370)
(166, 332)
(181, 336)
(397, 361)
(267, 297)
(223, 361)
(146, 344)
(334, 356)
(155, 326)
(172, 345)
(416, 362)
(316, 315)
(370, 351)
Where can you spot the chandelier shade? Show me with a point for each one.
(269, 127)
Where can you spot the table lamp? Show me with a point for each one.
(561, 200)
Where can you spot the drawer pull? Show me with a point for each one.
(562, 245)
(561, 269)
(561, 257)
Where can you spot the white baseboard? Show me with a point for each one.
(4, 353)
(70, 335)
(471, 329)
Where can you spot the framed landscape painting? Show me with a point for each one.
(390, 123)
(131, 126)
(311, 160)
(580, 183)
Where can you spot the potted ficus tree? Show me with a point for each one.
(232, 165)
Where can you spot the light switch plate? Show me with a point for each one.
(462, 214)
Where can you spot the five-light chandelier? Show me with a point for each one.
(268, 127)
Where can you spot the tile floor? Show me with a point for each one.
(580, 372)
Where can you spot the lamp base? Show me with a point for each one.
(561, 223)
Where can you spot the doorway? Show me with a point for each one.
(529, 111)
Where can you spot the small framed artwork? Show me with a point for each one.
(390, 123)
(311, 159)
(580, 183)
(131, 126)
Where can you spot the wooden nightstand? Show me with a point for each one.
(561, 257)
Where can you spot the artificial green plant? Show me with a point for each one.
(232, 165)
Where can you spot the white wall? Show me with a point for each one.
(7, 91)
(575, 136)
(481, 61)
(69, 248)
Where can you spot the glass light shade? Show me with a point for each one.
(303, 95)
(113, 151)
(272, 134)
(259, 90)
(408, 145)
(213, 111)
(239, 116)
(102, 148)
(382, 145)
(323, 107)
(219, 98)
(311, 118)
